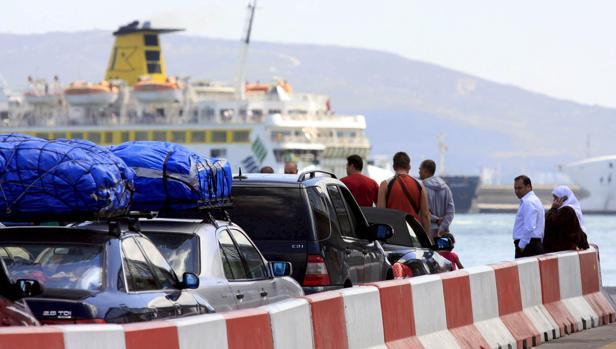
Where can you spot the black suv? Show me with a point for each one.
(312, 221)
(93, 275)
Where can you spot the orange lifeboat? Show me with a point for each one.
(80, 93)
(149, 91)
(257, 87)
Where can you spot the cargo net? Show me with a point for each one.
(57, 179)
(171, 177)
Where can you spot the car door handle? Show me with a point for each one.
(263, 293)
(239, 296)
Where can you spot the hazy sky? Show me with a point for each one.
(558, 47)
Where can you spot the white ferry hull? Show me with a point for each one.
(597, 176)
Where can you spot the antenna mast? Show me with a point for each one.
(241, 78)
(442, 148)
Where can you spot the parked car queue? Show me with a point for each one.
(130, 269)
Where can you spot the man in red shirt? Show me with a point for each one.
(364, 189)
(405, 193)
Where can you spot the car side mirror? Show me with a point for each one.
(190, 280)
(28, 288)
(381, 232)
(281, 268)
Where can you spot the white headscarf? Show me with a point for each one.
(572, 201)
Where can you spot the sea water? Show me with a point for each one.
(486, 238)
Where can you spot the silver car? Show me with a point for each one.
(232, 272)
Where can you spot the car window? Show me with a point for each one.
(346, 228)
(63, 266)
(180, 250)
(272, 213)
(139, 276)
(320, 212)
(231, 260)
(358, 223)
(162, 270)
(254, 261)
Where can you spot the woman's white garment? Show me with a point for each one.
(572, 201)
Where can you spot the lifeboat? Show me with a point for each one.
(149, 91)
(257, 87)
(264, 88)
(80, 93)
(42, 93)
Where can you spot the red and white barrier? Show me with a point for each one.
(515, 304)
(532, 304)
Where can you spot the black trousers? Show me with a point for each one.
(533, 248)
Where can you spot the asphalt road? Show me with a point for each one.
(599, 337)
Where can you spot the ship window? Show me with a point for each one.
(219, 136)
(197, 136)
(124, 136)
(611, 165)
(108, 137)
(178, 136)
(76, 135)
(241, 136)
(153, 68)
(94, 137)
(273, 111)
(152, 56)
(242, 112)
(159, 136)
(218, 153)
(257, 112)
(57, 135)
(42, 135)
(141, 135)
(150, 40)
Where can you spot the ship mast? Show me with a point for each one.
(442, 148)
(241, 76)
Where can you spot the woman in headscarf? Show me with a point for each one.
(564, 223)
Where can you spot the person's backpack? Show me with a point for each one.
(405, 190)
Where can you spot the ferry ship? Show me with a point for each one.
(252, 125)
(597, 177)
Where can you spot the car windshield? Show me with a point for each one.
(271, 213)
(64, 266)
(180, 250)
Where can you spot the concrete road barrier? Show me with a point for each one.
(507, 305)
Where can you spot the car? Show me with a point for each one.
(14, 311)
(232, 272)
(312, 221)
(409, 244)
(105, 274)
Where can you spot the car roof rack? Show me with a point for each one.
(312, 174)
(205, 213)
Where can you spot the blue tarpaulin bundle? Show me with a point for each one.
(172, 177)
(60, 178)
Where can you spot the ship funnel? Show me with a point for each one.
(136, 53)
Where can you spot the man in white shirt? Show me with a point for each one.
(529, 221)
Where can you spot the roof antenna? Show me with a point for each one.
(239, 176)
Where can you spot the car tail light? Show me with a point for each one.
(316, 272)
(72, 321)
